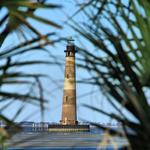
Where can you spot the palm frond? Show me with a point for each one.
(19, 12)
(119, 31)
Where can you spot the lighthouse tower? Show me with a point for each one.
(68, 122)
(69, 116)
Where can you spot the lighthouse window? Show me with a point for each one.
(66, 98)
(68, 53)
(67, 75)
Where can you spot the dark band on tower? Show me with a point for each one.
(69, 116)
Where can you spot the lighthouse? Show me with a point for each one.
(68, 122)
(69, 115)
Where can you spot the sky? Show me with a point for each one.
(86, 94)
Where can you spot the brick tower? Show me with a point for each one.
(68, 122)
(69, 116)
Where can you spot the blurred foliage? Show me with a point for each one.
(16, 14)
(15, 17)
(119, 64)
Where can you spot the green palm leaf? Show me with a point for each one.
(19, 12)
(120, 33)
(12, 72)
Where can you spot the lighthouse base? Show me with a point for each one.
(68, 128)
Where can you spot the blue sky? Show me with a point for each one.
(86, 94)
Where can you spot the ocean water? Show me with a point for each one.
(82, 148)
(62, 141)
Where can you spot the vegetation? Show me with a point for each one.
(15, 19)
(119, 64)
